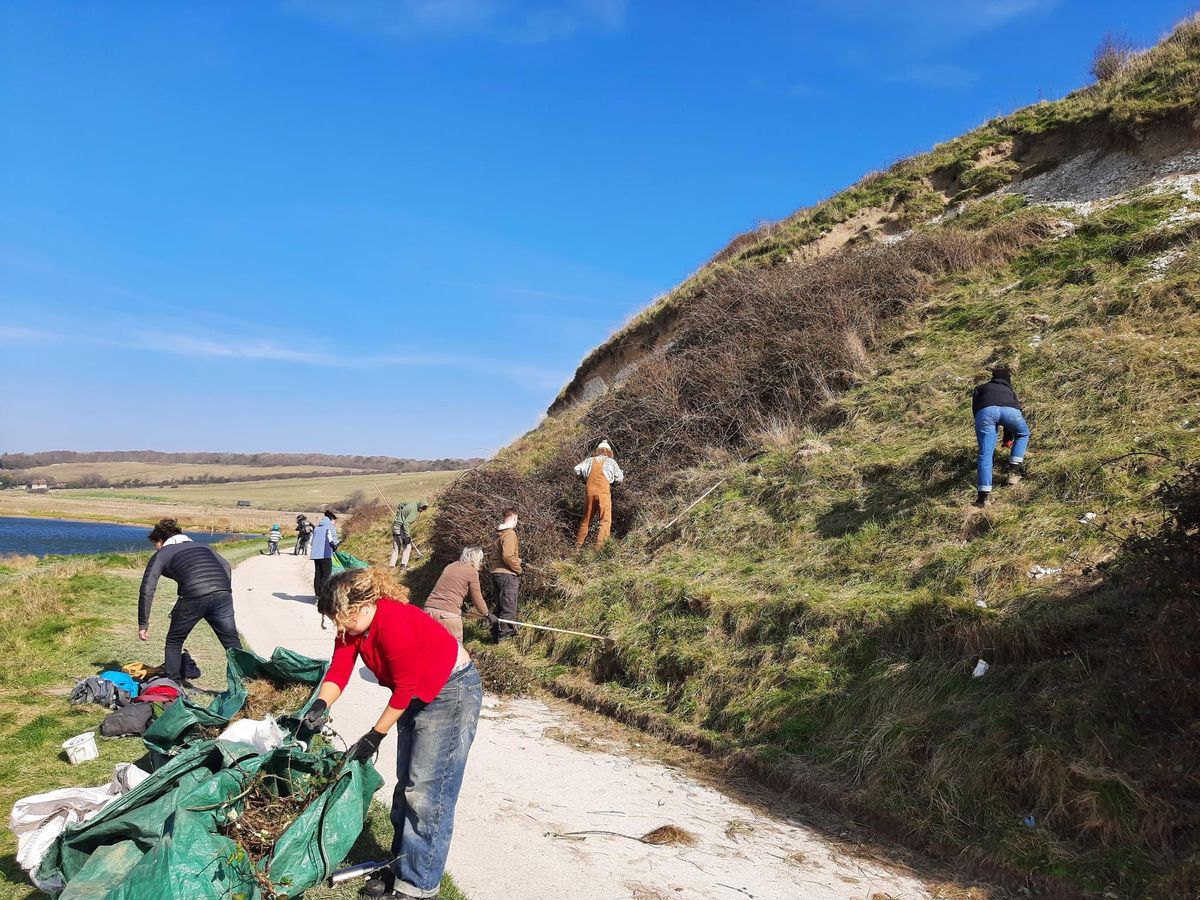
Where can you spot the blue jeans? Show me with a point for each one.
(987, 420)
(431, 754)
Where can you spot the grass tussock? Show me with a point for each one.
(501, 670)
(265, 696)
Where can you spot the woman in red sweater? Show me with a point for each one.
(435, 702)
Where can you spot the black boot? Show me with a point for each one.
(381, 884)
(983, 498)
(1016, 471)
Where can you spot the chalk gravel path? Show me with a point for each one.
(525, 787)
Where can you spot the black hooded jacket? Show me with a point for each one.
(197, 568)
(997, 392)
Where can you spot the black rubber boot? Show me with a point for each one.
(983, 498)
(381, 884)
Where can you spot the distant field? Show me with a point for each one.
(299, 494)
(205, 505)
(151, 473)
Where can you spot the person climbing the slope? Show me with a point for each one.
(600, 471)
(324, 543)
(205, 592)
(434, 707)
(995, 405)
(402, 527)
(506, 574)
(457, 581)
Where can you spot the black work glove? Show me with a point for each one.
(493, 619)
(366, 746)
(316, 715)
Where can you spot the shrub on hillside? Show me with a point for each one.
(346, 504)
(1111, 58)
(363, 516)
(469, 511)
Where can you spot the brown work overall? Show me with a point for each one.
(599, 496)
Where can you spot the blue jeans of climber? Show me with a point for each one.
(431, 755)
(987, 421)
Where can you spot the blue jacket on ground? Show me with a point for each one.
(324, 539)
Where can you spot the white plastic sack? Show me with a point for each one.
(37, 821)
(262, 734)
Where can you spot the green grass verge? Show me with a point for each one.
(70, 617)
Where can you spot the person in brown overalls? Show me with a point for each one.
(600, 471)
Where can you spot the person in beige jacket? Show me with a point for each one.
(506, 573)
(458, 581)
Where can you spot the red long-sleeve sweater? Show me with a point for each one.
(404, 648)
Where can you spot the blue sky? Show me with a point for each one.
(395, 226)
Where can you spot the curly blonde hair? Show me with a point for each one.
(345, 592)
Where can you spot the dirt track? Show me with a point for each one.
(538, 772)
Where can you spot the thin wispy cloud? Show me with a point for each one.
(934, 75)
(188, 345)
(938, 22)
(518, 291)
(512, 21)
(924, 33)
(21, 333)
(532, 378)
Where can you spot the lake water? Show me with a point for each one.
(40, 537)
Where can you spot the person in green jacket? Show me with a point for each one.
(402, 526)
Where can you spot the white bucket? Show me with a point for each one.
(81, 748)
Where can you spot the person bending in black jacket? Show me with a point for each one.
(205, 592)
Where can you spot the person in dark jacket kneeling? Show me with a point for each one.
(434, 708)
(995, 405)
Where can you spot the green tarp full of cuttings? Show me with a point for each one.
(142, 814)
(163, 840)
(169, 731)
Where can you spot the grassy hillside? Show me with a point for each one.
(76, 616)
(819, 615)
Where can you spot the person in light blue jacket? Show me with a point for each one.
(324, 543)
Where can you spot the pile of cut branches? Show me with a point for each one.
(270, 804)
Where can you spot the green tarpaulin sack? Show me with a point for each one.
(343, 561)
(169, 731)
(138, 817)
(192, 858)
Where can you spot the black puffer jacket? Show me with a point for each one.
(198, 569)
(997, 392)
